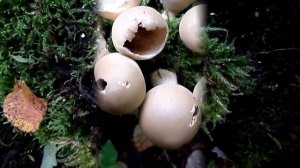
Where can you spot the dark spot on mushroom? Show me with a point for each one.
(101, 84)
(146, 41)
(195, 114)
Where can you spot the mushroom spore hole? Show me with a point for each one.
(101, 84)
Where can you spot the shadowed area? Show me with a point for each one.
(101, 84)
(146, 42)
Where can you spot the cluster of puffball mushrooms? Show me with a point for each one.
(169, 114)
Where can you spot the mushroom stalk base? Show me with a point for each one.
(101, 46)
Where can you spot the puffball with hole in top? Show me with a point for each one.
(140, 33)
(170, 115)
(121, 87)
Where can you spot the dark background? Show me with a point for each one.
(263, 129)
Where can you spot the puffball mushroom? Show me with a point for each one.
(121, 87)
(169, 116)
(111, 9)
(191, 29)
(140, 33)
(175, 6)
(162, 76)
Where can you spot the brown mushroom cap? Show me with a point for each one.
(140, 33)
(111, 9)
(191, 29)
(121, 86)
(169, 116)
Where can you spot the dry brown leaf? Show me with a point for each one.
(141, 142)
(23, 109)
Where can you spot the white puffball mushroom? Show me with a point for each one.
(121, 87)
(169, 116)
(191, 28)
(111, 9)
(163, 76)
(140, 33)
(175, 6)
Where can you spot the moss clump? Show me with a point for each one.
(48, 44)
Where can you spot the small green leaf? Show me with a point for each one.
(22, 59)
(276, 141)
(108, 155)
(212, 164)
(49, 158)
(145, 2)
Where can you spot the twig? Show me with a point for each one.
(279, 50)
(168, 159)
(237, 94)
(210, 80)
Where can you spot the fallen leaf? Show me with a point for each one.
(221, 159)
(31, 157)
(22, 59)
(141, 142)
(23, 109)
(196, 160)
(49, 157)
(220, 154)
(109, 154)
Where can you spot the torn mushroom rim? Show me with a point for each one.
(151, 23)
(156, 36)
(195, 116)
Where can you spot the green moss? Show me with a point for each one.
(177, 57)
(48, 44)
(227, 73)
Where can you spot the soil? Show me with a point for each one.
(269, 33)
